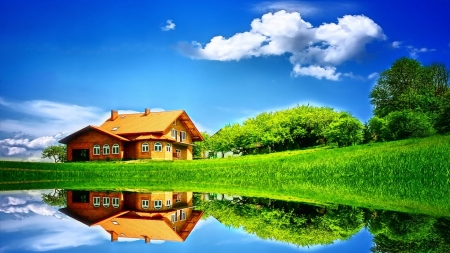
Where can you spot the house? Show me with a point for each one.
(149, 216)
(166, 135)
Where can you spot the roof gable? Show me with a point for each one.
(151, 122)
(68, 138)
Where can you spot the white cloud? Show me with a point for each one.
(373, 75)
(396, 44)
(318, 72)
(319, 50)
(42, 227)
(413, 52)
(304, 8)
(170, 25)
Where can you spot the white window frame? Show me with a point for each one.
(115, 202)
(96, 201)
(145, 203)
(168, 147)
(168, 202)
(115, 149)
(96, 150)
(144, 147)
(157, 204)
(157, 147)
(106, 149)
(183, 215)
(174, 133)
(183, 135)
(174, 217)
(106, 202)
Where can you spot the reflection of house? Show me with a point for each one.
(163, 135)
(149, 216)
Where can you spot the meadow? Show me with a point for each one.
(410, 175)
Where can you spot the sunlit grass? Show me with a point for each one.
(411, 175)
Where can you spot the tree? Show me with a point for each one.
(408, 85)
(345, 130)
(55, 198)
(407, 124)
(58, 153)
(202, 146)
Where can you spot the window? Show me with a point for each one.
(174, 133)
(145, 147)
(145, 203)
(158, 204)
(183, 135)
(115, 128)
(115, 149)
(183, 215)
(115, 202)
(115, 222)
(96, 201)
(158, 147)
(174, 217)
(178, 197)
(105, 201)
(106, 149)
(178, 153)
(168, 202)
(175, 123)
(96, 149)
(168, 147)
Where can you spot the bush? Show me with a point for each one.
(377, 128)
(407, 124)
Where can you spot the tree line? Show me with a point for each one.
(409, 100)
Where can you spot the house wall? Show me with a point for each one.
(93, 214)
(91, 138)
(134, 200)
(151, 154)
(180, 127)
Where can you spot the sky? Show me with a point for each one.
(29, 225)
(66, 64)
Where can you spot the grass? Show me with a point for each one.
(410, 175)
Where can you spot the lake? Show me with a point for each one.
(129, 221)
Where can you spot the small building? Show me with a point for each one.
(167, 135)
(148, 216)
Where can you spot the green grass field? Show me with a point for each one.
(410, 175)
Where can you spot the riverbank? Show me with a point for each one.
(410, 175)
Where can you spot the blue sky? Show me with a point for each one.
(66, 64)
(29, 225)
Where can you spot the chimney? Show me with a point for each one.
(114, 236)
(147, 111)
(147, 239)
(114, 114)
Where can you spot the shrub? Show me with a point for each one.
(407, 124)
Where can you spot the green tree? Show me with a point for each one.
(202, 146)
(345, 130)
(57, 153)
(443, 120)
(407, 124)
(55, 198)
(377, 128)
(408, 85)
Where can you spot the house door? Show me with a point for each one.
(178, 153)
(80, 155)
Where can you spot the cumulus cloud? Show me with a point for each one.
(317, 72)
(314, 51)
(170, 25)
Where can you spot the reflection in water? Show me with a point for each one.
(148, 216)
(305, 225)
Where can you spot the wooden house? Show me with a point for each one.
(149, 216)
(166, 135)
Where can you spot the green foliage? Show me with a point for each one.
(202, 146)
(57, 153)
(443, 120)
(408, 85)
(56, 198)
(377, 128)
(345, 130)
(406, 124)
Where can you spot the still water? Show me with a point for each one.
(107, 221)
